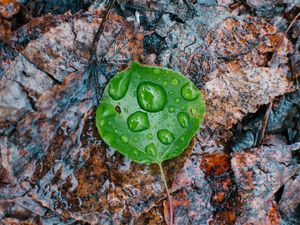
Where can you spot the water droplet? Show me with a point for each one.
(102, 122)
(118, 86)
(189, 91)
(177, 100)
(165, 116)
(182, 139)
(116, 131)
(125, 110)
(150, 149)
(149, 136)
(165, 83)
(193, 111)
(156, 70)
(124, 139)
(107, 110)
(135, 139)
(175, 82)
(109, 122)
(160, 154)
(165, 137)
(108, 137)
(135, 152)
(171, 109)
(183, 107)
(139, 76)
(138, 121)
(183, 119)
(151, 97)
(171, 92)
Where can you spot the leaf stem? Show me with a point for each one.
(168, 193)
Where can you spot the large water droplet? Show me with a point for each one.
(165, 137)
(151, 97)
(189, 92)
(124, 139)
(150, 149)
(118, 86)
(183, 119)
(107, 110)
(138, 121)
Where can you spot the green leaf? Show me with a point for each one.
(149, 114)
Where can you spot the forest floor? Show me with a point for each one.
(242, 167)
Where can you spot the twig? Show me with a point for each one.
(262, 132)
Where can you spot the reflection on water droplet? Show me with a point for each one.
(165, 137)
(149, 136)
(183, 119)
(171, 109)
(171, 92)
(118, 86)
(175, 82)
(189, 91)
(151, 97)
(150, 149)
(177, 100)
(138, 121)
(124, 139)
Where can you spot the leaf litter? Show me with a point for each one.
(55, 169)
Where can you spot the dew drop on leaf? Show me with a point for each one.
(177, 100)
(171, 109)
(124, 139)
(175, 82)
(149, 136)
(151, 149)
(165, 137)
(183, 119)
(189, 92)
(138, 121)
(151, 97)
(118, 86)
(107, 110)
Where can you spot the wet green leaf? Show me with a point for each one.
(149, 114)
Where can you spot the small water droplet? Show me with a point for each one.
(107, 137)
(135, 152)
(116, 131)
(109, 122)
(139, 76)
(177, 100)
(138, 121)
(124, 139)
(107, 110)
(182, 139)
(102, 122)
(189, 91)
(165, 116)
(165, 83)
(171, 92)
(135, 139)
(151, 97)
(183, 107)
(118, 86)
(125, 110)
(149, 136)
(150, 149)
(171, 109)
(194, 111)
(175, 82)
(165, 137)
(183, 119)
(156, 71)
(160, 154)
